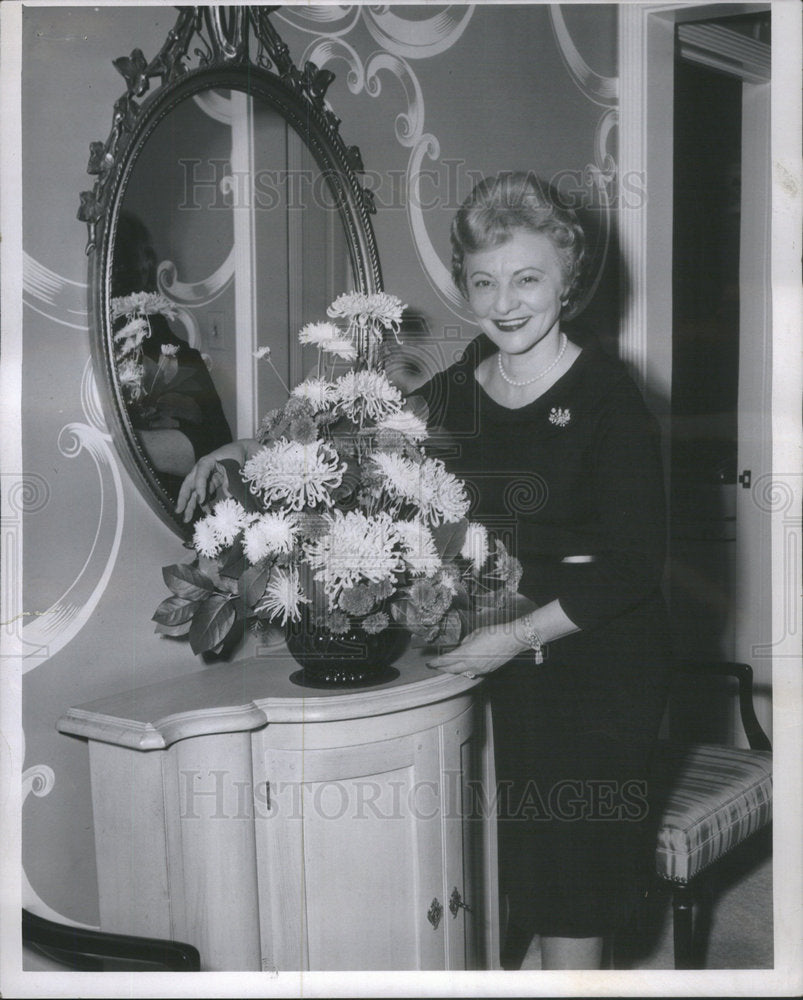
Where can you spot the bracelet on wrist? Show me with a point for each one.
(533, 639)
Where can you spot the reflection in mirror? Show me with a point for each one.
(226, 216)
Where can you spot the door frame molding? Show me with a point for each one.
(646, 105)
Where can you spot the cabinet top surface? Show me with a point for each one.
(247, 694)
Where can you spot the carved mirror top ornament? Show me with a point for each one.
(210, 55)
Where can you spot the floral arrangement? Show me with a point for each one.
(340, 516)
(157, 393)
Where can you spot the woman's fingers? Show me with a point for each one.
(205, 476)
(448, 661)
(185, 493)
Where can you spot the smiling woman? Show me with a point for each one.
(564, 462)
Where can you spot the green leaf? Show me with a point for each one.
(449, 538)
(251, 585)
(186, 581)
(212, 623)
(175, 611)
(233, 562)
(174, 630)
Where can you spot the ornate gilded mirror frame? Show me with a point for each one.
(234, 48)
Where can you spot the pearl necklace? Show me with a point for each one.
(540, 375)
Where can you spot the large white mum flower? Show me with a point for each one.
(319, 333)
(283, 596)
(145, 303)
(405, 423)
(129, 338)
(363, 307)
(205, 540)
(418, 547)
(227, 520)
(269, 534)
(358, 547)
(439, 495)
(475, 545)
(342, 347)
(295, 474)
(367, 394)
(317, 391)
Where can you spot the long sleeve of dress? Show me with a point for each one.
(625, 480)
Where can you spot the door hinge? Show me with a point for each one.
(746, 479)
(456, 903)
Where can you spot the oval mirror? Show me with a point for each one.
(227, 213)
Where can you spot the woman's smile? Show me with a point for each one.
(510, 325)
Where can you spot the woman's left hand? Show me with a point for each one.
(481, 652)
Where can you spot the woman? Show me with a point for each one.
(565, 466)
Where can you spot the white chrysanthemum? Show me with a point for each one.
(357, 548)
(268, 535)
(227, 520)
(362, 307)
(283, 596)
(205, 540)
(294, 473)
(475, 545)
(132, 334)
(367, 394)
(342, 347)
(144, 303)
(405, 423)
(131, 373)
(319, 333)
(439, 495)
(317, 391)
(262, 353)
(169, 350)
(400, 477)
(418, 547)
(444, 498)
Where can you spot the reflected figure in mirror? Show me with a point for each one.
(171, 398)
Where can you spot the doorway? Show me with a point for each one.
(694, 112)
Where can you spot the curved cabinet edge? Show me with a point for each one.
(162, 733)
(214, 710)
(366, 703)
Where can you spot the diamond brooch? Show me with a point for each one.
(559, 417)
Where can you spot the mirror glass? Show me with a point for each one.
(226, 214)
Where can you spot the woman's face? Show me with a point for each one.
(515, 290)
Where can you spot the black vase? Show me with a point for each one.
(355, 657)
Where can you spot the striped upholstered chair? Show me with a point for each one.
(710, 799)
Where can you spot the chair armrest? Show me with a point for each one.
(743, 672)
(69, 944)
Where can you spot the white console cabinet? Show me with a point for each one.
(275, 826)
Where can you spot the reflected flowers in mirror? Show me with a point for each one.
(159, 390)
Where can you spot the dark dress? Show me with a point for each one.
(577, 473)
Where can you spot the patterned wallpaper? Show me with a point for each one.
(435, 96)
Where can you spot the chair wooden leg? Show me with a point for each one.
(683, 926)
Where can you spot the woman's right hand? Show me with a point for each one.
(208, 475)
